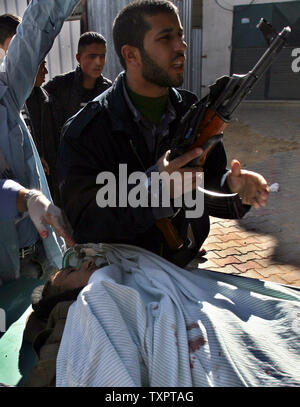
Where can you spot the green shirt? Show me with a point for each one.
(151, 109)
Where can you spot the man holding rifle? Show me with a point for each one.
(134, 123)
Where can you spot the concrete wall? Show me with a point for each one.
(217, 34)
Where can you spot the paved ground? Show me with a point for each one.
(265, 244)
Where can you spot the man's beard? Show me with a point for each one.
(153, 73)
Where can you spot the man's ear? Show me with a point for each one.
(78, 58)
(131, 55)
(7, 42)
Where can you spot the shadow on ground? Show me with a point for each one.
(280, 218)
(266, 139)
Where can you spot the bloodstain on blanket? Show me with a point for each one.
(196, 343)
(192, 326)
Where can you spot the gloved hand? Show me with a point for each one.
(42, 212)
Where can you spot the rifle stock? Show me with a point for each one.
(170, 233)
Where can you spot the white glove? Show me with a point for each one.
(42, 212)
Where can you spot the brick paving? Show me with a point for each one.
(265, 244)
(261, 259)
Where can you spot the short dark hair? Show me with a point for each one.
(45, 297)
(130, 27)
(88, 38)
(8, 26)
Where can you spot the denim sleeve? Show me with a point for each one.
(8, 198)
(41, 23)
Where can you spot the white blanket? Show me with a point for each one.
(142, 321)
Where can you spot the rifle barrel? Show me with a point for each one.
(271, 53)
(244, 83)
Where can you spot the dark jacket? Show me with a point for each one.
(69, 94)
(36, 115)
(103, 135)
(45, 132)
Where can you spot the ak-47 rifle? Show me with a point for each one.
(203, 125)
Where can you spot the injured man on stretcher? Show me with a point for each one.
(118, 315)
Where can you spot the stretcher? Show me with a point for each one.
(16, 355)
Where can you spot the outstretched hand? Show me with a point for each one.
(251, 186)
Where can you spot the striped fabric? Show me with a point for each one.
(141, 321)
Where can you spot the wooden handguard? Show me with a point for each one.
(211, 125)
(170, 233)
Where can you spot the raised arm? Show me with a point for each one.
(41, 23)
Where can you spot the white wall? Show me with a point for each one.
(217, 34)
(16, 7)
(62, 57)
